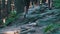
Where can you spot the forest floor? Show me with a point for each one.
(24, 28)
(17, 26)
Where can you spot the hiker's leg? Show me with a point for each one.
(25, 12)
(36, 3)
(31, 3)
(47, 1)
(26, 8)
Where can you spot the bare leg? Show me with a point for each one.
(30, 4)
(26, 8)
(25, 12)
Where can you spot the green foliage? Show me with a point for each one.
(11, 17)
(1, 22)
(13, 13)
(9, 20)
(51, 28)
(57, 3)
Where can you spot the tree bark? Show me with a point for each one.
(19, 5)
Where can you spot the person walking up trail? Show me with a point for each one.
(28, 4)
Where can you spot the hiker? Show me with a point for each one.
(27, 3)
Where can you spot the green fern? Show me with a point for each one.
(51, 28)
(56, 3)
(48, 28)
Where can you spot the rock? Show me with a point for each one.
(32, 24)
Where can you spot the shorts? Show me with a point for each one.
(35, 1)
(43, 1)
(27, 2)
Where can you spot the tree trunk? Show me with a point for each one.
(9, 6)
(19, 5)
